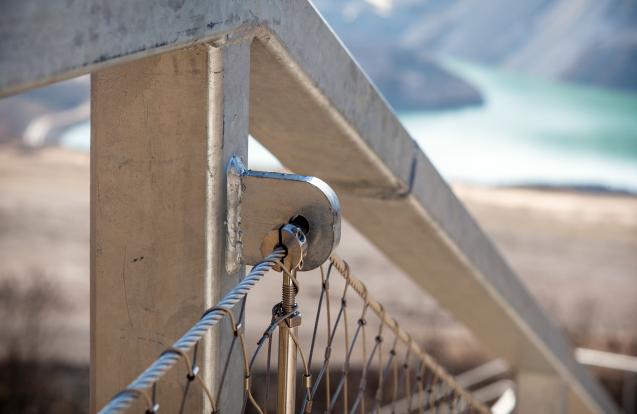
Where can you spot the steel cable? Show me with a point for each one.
(158, 369)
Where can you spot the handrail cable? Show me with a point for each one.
(210, 318)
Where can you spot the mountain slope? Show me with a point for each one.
(586, 41)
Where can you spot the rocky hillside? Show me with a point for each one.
(16, 112)
(587, 41)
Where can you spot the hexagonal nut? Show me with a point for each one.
(295, 320)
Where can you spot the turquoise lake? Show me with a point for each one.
(532, 131)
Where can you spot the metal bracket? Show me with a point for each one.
(259, 202)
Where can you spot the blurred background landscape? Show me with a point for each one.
(529, 108)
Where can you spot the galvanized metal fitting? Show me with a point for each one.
(293, 239)
(260, 203)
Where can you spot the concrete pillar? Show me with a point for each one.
(162, 130)
(541, 393)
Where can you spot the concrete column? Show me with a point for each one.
(541, 393)
(163, 129)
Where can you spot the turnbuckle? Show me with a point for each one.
(267, 210)
(294, 240)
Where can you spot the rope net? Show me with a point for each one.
(353, 357)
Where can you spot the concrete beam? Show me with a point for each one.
(315, 109)
(541, 393)
(163, 129)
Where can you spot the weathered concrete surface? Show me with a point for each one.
(542, 393)
(312, 106)
(163, 129)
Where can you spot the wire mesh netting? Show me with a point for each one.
(352, 356)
